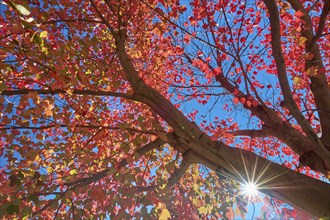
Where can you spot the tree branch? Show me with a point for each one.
(62, 91)
(71, 20)
(277, 181)
(289, 102)
(76, 126)
(97, 176)
(112, 31)
(278, 128)
(189, 134)
(323, 19)
(319, 84)
(251, 133)
(49, 204)
(187, 160)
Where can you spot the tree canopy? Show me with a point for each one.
(162, 108)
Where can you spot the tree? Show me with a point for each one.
(103, 106)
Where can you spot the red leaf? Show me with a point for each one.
(286, 150)
(236, 100)
(217, 70)
(298, 14)
(230, 213)
(186, 39)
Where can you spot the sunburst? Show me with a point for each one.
(252, 184)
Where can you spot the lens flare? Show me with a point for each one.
(250, 189)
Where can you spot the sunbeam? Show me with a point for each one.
(250, 190)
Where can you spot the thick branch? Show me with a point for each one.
(303, 192)
(230, 159)
(153, 99)
(289, 102)
(280, 65)
(277, 181)
(274, 125)
(176, 176)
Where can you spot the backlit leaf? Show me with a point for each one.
(164, 214)
(22, 9)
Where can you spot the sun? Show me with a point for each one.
(250, 189)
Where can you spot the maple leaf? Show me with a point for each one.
(299, 14)
(165, 214)
(49, 109)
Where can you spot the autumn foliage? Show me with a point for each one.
(161, 109)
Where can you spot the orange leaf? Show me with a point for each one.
(299, 14)
(230, 213)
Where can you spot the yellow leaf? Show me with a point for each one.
(296, 80)
(286, 6)
(301, 41)
(240, 213)
(37, 158)
(43, 34)
(73, 172)
(48, 112)
(311, 71)
(203, 210)
(165, 214)
(49, 109)
(49, 169)
(70, 91)
(44, 50)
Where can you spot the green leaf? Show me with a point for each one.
(11, 209)
(144, 211)
(140, 119)
(14, 181)
(123, 126)
(34, 199)
(111, 170)
(3, 87)
(26, 211)
(37, 39)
